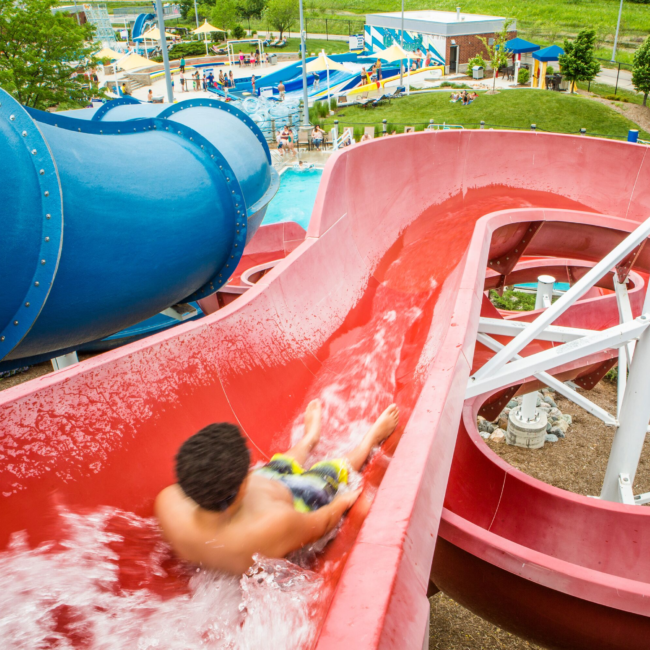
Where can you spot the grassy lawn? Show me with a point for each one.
(607, 91)
(551, 111)
(314, 45)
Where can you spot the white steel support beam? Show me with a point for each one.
(555, 333)
(569, 298)
(519, 370)
(635, 413)
(626, 352)
(558, 386)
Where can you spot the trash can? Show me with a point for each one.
(273, 59)
(477, 72)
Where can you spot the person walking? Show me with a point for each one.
(182, 64)
(182, 83)
(232, 80)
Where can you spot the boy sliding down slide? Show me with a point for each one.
(220, 514)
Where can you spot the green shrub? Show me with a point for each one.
(238, 32)
(513, 300)
(194, 48)
(612, 375)
(617, 98)
(449, 84)
(550, 69)
(523, 76)
(333, 103)
(477, 60)
(357, 133)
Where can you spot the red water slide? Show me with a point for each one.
(380, 303)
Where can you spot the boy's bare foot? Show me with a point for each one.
(313, 414)
(384, 425)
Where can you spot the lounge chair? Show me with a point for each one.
(381, 98)
(303, 140)
(409, 129)
(282, 43)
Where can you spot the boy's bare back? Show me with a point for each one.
(266, 523)
(261, 517)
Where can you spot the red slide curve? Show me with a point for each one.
(380, 303)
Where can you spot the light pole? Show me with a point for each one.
(163, 47)
(401, 43)
(618, 24)
(196, 14)
(305, 96)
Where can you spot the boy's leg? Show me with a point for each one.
(378, 432)
(303, 447)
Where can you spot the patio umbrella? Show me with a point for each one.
(133, 61)
(107, 53)
(518, 46)
(397, 53)
(551, 53)
(154, 34)
(323, 62)
(206, 29)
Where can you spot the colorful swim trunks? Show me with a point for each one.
(311, 489)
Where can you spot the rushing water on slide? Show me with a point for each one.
(107, 580)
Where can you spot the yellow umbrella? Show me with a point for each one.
(133, 61)
(397, 53)
(154, 34)
(107, 53)
(323, 62)
(206, 29)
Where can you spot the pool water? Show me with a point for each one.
(558, 286)
(295, 198)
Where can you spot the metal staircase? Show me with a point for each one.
(98, 16)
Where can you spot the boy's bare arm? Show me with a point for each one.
(301, 528)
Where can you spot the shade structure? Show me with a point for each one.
(396, 53)
(154, 34)
(520, 46)
(550, 53)
(323, 62)
(206, 28)
(133, 61)
(107, 53)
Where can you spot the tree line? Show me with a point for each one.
(280, 15)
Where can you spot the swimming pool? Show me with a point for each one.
(295, 198)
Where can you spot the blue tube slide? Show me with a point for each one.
(138, 26)
(111, 215)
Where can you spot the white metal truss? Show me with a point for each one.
(576, 292)
(632, 339)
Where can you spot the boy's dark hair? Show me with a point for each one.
(212, 465)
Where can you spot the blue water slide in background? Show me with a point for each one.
(111, 215)
(138, 26)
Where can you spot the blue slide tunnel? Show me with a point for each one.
(112, 215)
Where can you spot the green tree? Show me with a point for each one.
(281, 14)
(497, 53)
(251, 9)
(225, 14)
(641, 70)
(578, 63)
(40, 53)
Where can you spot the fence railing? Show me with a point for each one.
(619, 66)
(386, 127)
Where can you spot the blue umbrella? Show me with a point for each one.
(551, 53)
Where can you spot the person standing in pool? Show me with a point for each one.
(220, 513)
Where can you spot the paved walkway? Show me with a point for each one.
(608, 76)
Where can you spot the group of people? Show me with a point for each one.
(253, 59)
(464, 97)
(286, 142)
(372, 76)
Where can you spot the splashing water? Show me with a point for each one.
(102, 590)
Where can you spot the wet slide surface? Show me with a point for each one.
(379, 304)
